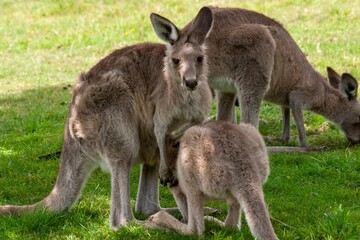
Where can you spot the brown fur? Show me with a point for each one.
(219, 160)
(253, 57)
(120, 112)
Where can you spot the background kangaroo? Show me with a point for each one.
(253, 57)
(219, 160)
(120, 112)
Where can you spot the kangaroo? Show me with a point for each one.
(219, 160)
(120, 112)
(254, 58)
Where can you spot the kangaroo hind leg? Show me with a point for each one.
(233, 217)
(147, 201)
(195, 223)
(120, 154)
(285, 111)
(120, 211)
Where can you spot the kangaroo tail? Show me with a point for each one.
(75, 168)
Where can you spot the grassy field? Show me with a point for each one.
(44, 45)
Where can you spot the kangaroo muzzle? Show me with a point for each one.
(191, 84)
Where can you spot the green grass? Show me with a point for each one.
(44, 45)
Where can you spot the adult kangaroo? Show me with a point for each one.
(253, 57)
(218, 160)
(120, 112)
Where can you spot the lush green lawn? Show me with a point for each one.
(44, 45)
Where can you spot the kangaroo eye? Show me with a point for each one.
(200, 59)
(176, 61)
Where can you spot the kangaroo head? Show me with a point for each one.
(185, 59)
(350, 119)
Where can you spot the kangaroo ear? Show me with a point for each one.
(334, 77)
(201, 27)
(348, 86)
(164, 28)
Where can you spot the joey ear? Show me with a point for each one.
(334, 77)
(201, 27)
(164, 28)
(348, 86)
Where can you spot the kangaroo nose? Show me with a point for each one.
(191, 84)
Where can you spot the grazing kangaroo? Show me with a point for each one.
(120, 113)
(219, 160)
(253, 57)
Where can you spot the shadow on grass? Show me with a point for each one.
(32, 122)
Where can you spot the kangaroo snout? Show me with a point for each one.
(191, 84)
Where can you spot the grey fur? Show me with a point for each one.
(120, 112)
(224, 161)
(253, 57)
